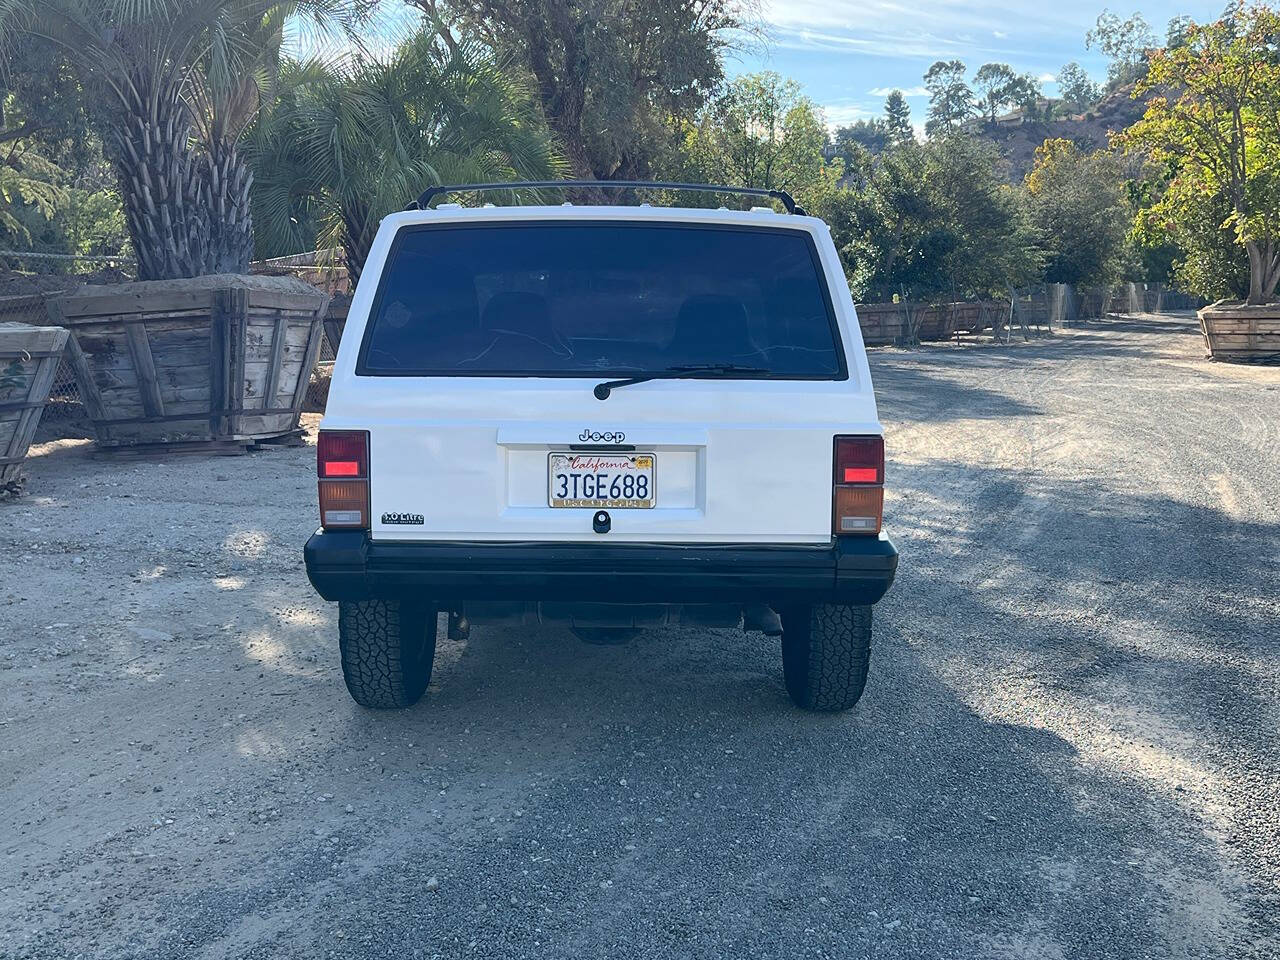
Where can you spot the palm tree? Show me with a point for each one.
(178, 81)
(345, 144)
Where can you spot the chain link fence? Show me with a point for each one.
(27, 281)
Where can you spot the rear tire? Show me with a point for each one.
(387, 650)
(826, 650)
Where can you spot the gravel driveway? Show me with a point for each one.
(1068, 745)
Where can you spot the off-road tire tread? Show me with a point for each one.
(831, 653)
(370, 641)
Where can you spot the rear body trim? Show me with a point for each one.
(851, 570)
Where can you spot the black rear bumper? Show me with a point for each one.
(349, 566)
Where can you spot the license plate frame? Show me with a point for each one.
(587, 468)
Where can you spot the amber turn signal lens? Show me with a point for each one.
(344, 504)
(858, 510)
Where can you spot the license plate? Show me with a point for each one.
(601, 480)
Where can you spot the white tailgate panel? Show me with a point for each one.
(760, 470)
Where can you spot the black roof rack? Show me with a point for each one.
(431, 193)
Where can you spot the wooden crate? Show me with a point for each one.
(934, 321)
(1241, 333)
(28, 358)
(335, 320)
(213, 359)
(881, 323)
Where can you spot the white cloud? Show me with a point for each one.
(1047, 78)
(908, 92)
(923, 29)
(843, 114)
(944, 17)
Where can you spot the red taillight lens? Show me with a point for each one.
(342, 464)
(858, 486)
(342, 453)
(859, 460)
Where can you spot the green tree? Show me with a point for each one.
(1078, 203)
(1213, 120)
(347, 144)
(871, 135)
(1026, 95)
(46, 134)
(936, 220)
(1126, 42)
(617, 80)
(176, 82)
(897, 118)
(1078, 91)
(1176, 33)
(741, 136)
(997, 86)
(950, 99)
(990, 240)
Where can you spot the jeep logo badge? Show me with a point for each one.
(608, 436)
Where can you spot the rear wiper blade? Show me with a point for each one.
(602, 390)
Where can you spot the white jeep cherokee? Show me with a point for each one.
(608, 417)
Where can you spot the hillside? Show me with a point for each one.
(1018, 140)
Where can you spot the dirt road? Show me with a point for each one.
(1068, 747)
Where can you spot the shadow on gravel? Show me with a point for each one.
(1011, 785)
(918, 388)
(664, 800)
(1149, 622)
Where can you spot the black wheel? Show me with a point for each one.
(826, 650)
(387, 648)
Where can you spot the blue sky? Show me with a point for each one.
(847, 54)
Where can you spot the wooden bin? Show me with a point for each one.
(335, 320)
(1241, 333)
(212, 361)
(28, 359)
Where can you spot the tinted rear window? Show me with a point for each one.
(584, 299)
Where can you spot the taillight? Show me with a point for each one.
(342, 465)
(858, 486)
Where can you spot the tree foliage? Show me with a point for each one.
(176, 82)
(870, 135)
(1126, 42)
(934, 220)
(1078, 91)
(1213, 121)
(347, 144)
(997, 87)
(58, 191)
(759, 131)
(897, 119)
(615, 78)
(1078, 203)
(950, 97)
